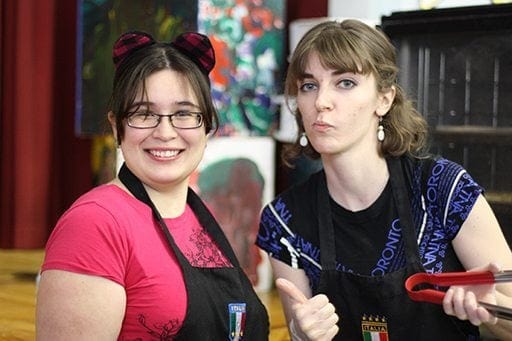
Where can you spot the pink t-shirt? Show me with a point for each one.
(109, 233)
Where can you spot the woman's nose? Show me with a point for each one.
(323, 100)
(165, 129)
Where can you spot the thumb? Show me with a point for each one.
(291, 290)
(492, 267)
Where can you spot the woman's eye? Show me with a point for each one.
(346, 84)
(144, 115)
(307, 87)
(182, 113)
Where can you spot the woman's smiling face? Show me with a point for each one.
(164, 156)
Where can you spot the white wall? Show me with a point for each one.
(374, 9)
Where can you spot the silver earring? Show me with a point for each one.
(380, 131)
(303, 141)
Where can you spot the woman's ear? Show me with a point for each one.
(112, 120)
(386, 99)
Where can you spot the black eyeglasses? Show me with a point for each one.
(183, 119)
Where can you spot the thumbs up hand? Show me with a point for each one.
(312, 319)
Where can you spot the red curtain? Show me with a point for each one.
(297, 9)
(44, 166)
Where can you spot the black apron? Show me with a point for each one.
(222, 304)
(379, 306)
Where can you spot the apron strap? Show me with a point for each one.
(325, 226)
(403, 206)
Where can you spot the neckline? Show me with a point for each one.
(371, 212)
(177, 222)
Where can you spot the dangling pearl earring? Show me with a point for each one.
(380, 131)
(303, 141)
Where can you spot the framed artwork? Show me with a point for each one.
(235, 179)
(249, 41)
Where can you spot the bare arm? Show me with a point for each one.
(72, 306)
(479, 244)
(307, 317)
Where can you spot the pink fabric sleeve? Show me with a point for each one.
(88, 240)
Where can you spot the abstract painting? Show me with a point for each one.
(249, 41)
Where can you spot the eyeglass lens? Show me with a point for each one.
(182, 119)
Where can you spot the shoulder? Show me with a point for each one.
(294, 206)
(451, 192)
(435, 170)
(447, 167)
(440, 180)
(107, 195)
(105, 212)
(302, 191)
(445, 174)
(109, 199)
(299, 195)
(96, 234)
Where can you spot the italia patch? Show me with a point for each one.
(237, 314)
(374, 328)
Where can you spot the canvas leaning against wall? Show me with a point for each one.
(235, 179)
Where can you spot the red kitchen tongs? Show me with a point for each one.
(446, 279)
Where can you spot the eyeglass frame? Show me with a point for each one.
(199, 116)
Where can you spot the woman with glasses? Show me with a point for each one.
(141, 257)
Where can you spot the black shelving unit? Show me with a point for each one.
(456, 63)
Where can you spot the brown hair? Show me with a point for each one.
(352, 46)
(132, 73)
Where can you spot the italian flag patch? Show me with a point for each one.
(374, 328)
(237, 314)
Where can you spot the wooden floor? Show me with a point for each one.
(18, 269)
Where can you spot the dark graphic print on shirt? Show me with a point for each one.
(439, 207)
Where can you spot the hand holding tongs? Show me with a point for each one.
(447, 279)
